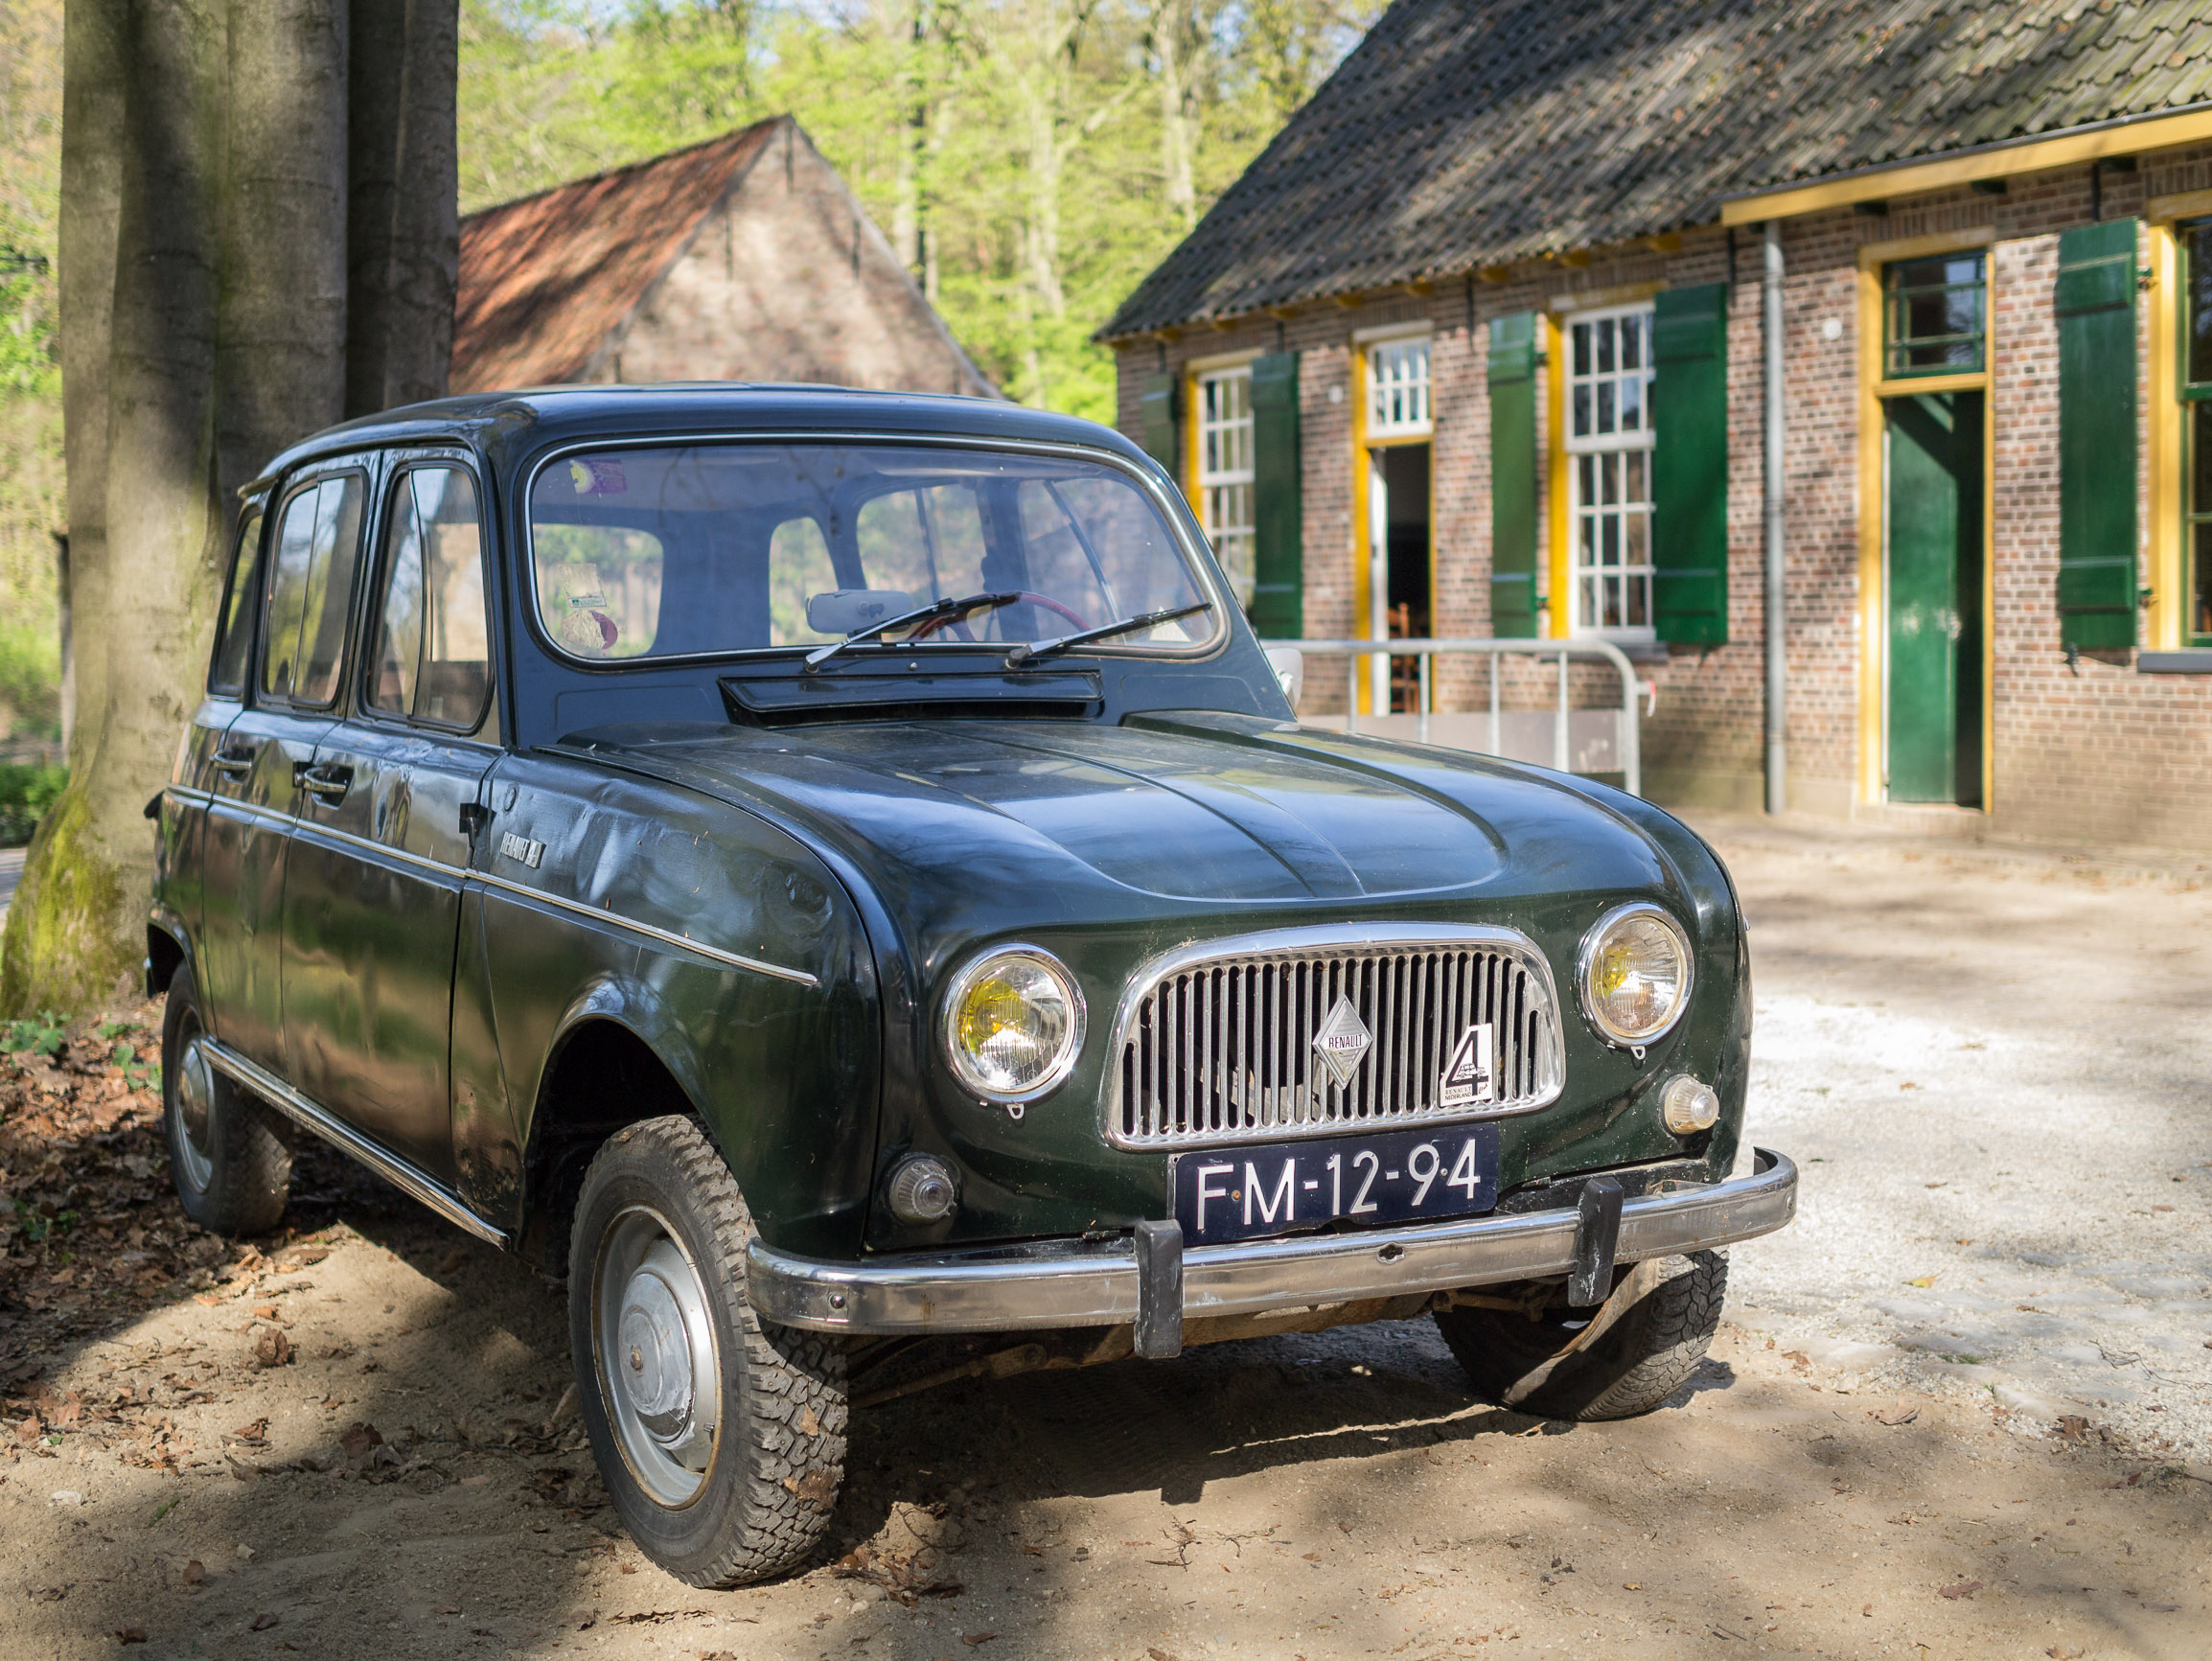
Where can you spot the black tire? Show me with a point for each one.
(229, 1155)
(749, 1495)
(1646, 1354)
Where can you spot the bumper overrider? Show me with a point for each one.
(1102, 1284)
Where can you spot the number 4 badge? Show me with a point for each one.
(1467, 1078)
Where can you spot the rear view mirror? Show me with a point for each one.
(1289, 665)
(841, 611)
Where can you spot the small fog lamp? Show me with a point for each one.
(1689, 1106)
(1635, 975)
(923, 1189)
(1013, 1025)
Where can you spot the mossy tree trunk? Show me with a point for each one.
(207, 232)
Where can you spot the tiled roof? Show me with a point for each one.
(546, 279)
(1463, 133)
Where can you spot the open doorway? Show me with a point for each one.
(1399, 575)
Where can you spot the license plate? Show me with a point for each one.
(1397, 1177)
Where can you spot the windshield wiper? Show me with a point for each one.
(927, 613)
(1037, 649)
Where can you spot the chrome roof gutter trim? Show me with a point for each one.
(1076, 1283)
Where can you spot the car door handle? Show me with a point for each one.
(328, 783)
(233, 764)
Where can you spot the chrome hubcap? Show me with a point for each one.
(657, 1359)
(194, 1107)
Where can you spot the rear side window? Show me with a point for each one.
(433, 654)
(310, 585)
(234, 627)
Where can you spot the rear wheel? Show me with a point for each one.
(230, 1156)
(721, 1436)
(1658, 1325)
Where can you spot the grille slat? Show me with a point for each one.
(1221, 1049)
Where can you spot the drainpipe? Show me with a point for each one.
(1777, 610)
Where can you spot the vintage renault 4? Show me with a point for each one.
(819, 869)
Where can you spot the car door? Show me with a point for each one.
(372, 896)
(256, 770)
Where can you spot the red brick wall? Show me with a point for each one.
(2095, 752)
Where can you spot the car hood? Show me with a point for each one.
(1197, 809)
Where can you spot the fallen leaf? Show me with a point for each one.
(818, 1488)
(2060, 1652)
(1631, 1585)
(1964, 1589)
(359, 1438)
(262, 1622)
(453, 1260)
(194, 1572)
(1924, 1281)
(267, 1312)
(976, 1637)
(271, 1349)
(130, 1634)
(1896, 1415)
(2072, 1427)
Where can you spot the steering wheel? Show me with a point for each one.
(959, 625)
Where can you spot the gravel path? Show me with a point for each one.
(1991, 1067)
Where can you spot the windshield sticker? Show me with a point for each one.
(594, 476)
(1470, 1077)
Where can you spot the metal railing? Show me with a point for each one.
(1427, 650)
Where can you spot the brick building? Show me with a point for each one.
(746, 258)
(1476, 347)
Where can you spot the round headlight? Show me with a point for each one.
(1635, 975)
(1013, 1025)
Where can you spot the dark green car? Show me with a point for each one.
(822, 869)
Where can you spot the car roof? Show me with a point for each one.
(506, 426)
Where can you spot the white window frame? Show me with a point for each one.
(1615, 458)
(1225, 471)
(1400, 400)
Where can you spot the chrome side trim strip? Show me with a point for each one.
(1072, 1283)
(387, 1164)
(714, 954)
(666, 937)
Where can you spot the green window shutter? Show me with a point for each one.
(2095, 301)
(1513, 376)
(1278, 558)
(1689, 464)
(1161, 405)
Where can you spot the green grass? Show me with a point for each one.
(26, 790)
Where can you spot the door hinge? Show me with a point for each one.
(474, 817)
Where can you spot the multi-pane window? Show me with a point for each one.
(1934, 316)
(2196, 432)
(1608, 444)
(1225, 471)
(1397, 388)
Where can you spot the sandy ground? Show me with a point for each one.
(351, 1440)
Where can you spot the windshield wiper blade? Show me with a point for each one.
(1037, 649)
(927, 613)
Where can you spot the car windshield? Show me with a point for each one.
(693, 548)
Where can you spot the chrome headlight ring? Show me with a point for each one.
(1586, 962)
(1013, 961)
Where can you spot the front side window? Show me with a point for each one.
(720, 548)
(433, 654)
(1397, 388)
(1225, 472)
(234, 627)
(2197, 434)
(310, 589)
(1608, 445)
(1933, 315)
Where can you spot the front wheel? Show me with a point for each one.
(1659, 1322)
(721, 1436)
(230, 1157)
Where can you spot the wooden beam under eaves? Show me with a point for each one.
(1496, 274)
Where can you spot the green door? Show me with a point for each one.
(1935, 598)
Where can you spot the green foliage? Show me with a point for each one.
(40, 1034)
(26, 790)
(1025, 156)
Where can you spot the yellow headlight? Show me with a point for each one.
(1635, 975)
(1014, 1023)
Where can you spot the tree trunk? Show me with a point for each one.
(403, 226)
(282, 312)
(1172, 43)
(78, 924)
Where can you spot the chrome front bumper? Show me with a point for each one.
(1074, 1283)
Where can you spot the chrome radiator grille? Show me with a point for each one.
(1220, 1048)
